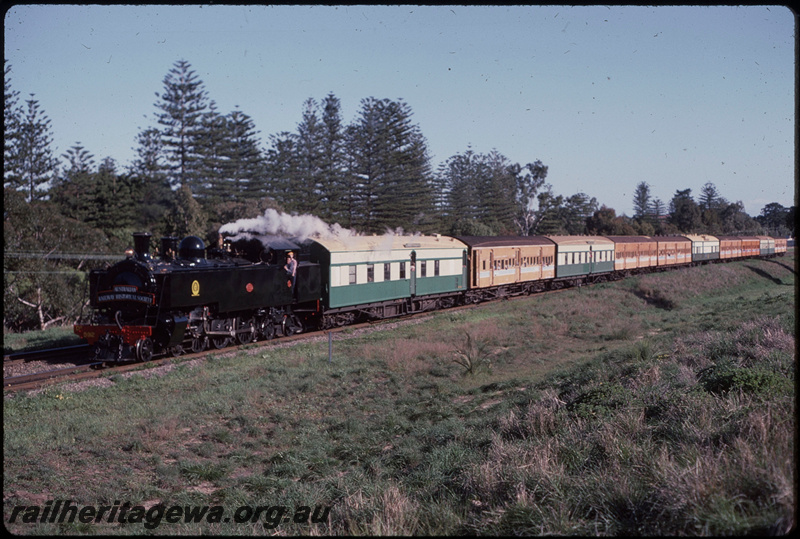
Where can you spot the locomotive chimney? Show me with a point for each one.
(141, 246)
(169, 248)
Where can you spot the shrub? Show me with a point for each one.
(600, 401)
(722, 378)
(474, 355)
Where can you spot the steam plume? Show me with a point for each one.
(274, 223)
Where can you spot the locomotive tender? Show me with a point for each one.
(183, 300)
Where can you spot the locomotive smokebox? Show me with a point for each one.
(141, 246)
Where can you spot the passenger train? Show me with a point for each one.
(189, 298)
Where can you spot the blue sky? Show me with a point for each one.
(606, 97)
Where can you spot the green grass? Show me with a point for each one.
(592, 412)
(38, 340)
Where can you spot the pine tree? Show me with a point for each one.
(182, 106)
(684, 212)
(12, 126)
(498, 193)
(641, 201)
(460, 177)
(307, 188)
(352, 204)
(409, 204)
(492, 191)
(366, 147)
(73, 190)
(333, 186)
(709, 197)
(283, 169)
(31, 158)
(657, 210)
(148, 171)
(247, 170)
(550, 214)
(577, 209)
(392, 167)
(212, 167)
(113, 195)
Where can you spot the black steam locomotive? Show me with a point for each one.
(184, 300)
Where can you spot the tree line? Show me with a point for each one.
(196, 168)
(709, 213)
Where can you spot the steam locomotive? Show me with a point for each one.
(187, 301)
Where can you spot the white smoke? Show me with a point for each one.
(274, 223)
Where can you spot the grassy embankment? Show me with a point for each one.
(661, 404)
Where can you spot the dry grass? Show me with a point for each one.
(632, 420)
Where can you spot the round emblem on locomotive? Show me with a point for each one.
(249, 287)
(195, 288)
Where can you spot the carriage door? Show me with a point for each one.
(475, 267)
(541, 264)
(413, 274)
(464, 270)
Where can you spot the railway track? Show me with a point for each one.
(38, 379)
(65, 353)
(88, 368)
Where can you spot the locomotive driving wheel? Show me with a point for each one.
(220, 342)
(246, 332)
(199, 343)
(266, 329)
(144, 349)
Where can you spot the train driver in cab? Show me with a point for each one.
(291, 268)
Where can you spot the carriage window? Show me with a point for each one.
(387, 276)
(370, 273)
(436, 268)
(352, 275)
(423, 268)
(402, 270)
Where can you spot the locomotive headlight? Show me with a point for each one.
(129, 253)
